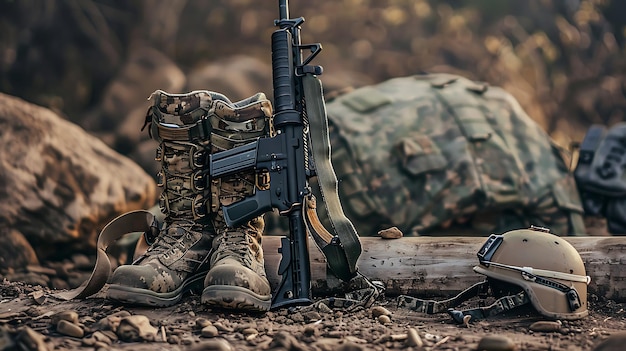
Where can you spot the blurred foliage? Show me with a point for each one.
(562, 59)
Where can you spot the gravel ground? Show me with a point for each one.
(32, 319)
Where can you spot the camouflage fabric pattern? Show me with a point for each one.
(178, 259)
(440, 154)
(189, 127)
(237, 278)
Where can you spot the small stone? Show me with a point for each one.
(201, 323)
(398, 337)
(99, 345)
(350, 346)
(221, 327)
(284, 340)
(379, 311)
(173, 339)
(545, 326)
(249, 331)
(323, 308)
(210, 331)
(110, 322)
(70, 329)
(6, 342)
(38, 296)
(297, 317)
(312, 316)
(391, 233)
(310, 330)
(30, 340)
(496, 343)
(413, 338)
(136, 328)
(614, 342)
(384, 319)
(212, 345)
(70, 316)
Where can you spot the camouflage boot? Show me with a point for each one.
(178, 259)
(237, 277)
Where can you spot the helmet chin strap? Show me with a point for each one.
(480, 289)
(502, 304)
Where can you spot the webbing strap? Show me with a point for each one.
(432, 306)
(130, 222)
(342, 248)
(502, 304)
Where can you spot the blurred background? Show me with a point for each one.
(96, 61)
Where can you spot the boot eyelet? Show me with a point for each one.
(198, 181)
(159, 179)
(197, 157)
(158, 155)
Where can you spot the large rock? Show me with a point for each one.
(59, 185)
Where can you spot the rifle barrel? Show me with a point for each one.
(283, 9)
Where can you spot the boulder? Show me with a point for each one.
(59, 185)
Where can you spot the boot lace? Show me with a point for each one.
(234, 245)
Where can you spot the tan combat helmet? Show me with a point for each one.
(545, 266)
(524, 266)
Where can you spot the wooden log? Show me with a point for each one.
(442, 266)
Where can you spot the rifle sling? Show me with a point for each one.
(344, 247)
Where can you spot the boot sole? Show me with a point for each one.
(235, 298)
(144, 297)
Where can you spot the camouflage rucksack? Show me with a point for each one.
(442, 155)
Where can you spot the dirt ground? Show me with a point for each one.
(30, 315)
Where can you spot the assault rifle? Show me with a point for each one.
(297, 150)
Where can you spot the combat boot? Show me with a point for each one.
(178, 258)
(237, 278)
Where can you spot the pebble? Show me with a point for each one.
(614, 342)
(99, 345)
(390, 233)
(283, 339)
(221, 327)
(350, 346)
(545, 326)
(212, 345)
(30, 340)
(173, 339)
(97, 337)
(70, 329)
(379, 311)
(6, 343)
(201, 323)
(413, 338)
(310, 330)
(384, 319)
(323, 308)
(70, 316)
(496, 343)
(249, 331)
(38, 296)
(136, 328)
(111, 322)
(312, 316)
(210, 331)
